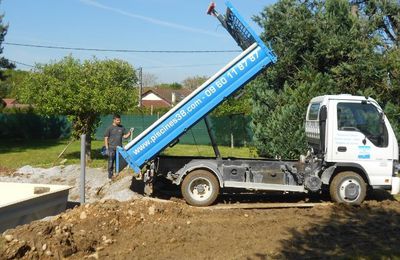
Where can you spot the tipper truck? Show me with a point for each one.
(352, 146)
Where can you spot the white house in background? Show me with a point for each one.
(163, 97)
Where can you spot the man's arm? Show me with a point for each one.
(106, 135)
(106, 142)
(127, 135)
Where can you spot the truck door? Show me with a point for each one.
(360, 136)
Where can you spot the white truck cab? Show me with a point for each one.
(353, 136)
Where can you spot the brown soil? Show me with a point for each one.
(151, 229)
(5, 171)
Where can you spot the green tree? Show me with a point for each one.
(238, 104)
(383, 16)
(82, 90)
(5, 64)
(384, 19)
(194, 82)
(324, 47)
(173, 85)
(12, 79)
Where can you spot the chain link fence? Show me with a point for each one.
(33, 126)
(231, 130)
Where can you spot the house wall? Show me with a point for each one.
(155, 103)
(151, 96)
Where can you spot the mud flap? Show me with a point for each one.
(123, 159)
(395, 185)
(120, 162)
(148, 183)
(326, 175)
(148, 180)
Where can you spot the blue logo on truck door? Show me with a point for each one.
(364, 152)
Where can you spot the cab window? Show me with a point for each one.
(364, 118)
(313, 111)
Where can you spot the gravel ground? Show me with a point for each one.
(98, 186)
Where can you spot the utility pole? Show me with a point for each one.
(140, 86)
(83, 170)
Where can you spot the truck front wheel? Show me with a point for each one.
(348, 187)
(200, 188)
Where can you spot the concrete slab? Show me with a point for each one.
(21, 203)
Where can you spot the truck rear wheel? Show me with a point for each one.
(200, 188)
(348, 187)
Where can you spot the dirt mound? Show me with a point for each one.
(151, 229)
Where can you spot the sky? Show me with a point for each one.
(125, 24)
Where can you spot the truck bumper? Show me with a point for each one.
(395, 185)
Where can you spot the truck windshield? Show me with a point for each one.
(364, 118)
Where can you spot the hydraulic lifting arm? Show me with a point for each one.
(255, 57)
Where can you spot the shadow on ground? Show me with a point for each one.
(72, 204)
(370, 231)
(164, 189)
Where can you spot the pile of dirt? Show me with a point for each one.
(120, 224)
(151, 229)
(98, 186)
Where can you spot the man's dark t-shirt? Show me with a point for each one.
(114, 134)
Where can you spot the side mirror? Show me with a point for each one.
(382, 127)
(381, 117)
(323, 113)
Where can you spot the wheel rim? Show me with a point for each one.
(350, 190)
(200, 189)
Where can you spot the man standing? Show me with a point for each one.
(113, 138)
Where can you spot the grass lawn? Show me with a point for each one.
(44, 153)
(207, 150)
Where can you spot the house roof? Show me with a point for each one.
(12, 102)
(166, 93)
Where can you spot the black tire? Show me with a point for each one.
(348, 187)
(200, 188)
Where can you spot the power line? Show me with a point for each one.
(150, 67)
(115, 50)
(21, 63)
(183, 66)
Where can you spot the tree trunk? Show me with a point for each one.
(85, 124)
(88, 146)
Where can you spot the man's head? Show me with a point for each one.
(116, 119)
